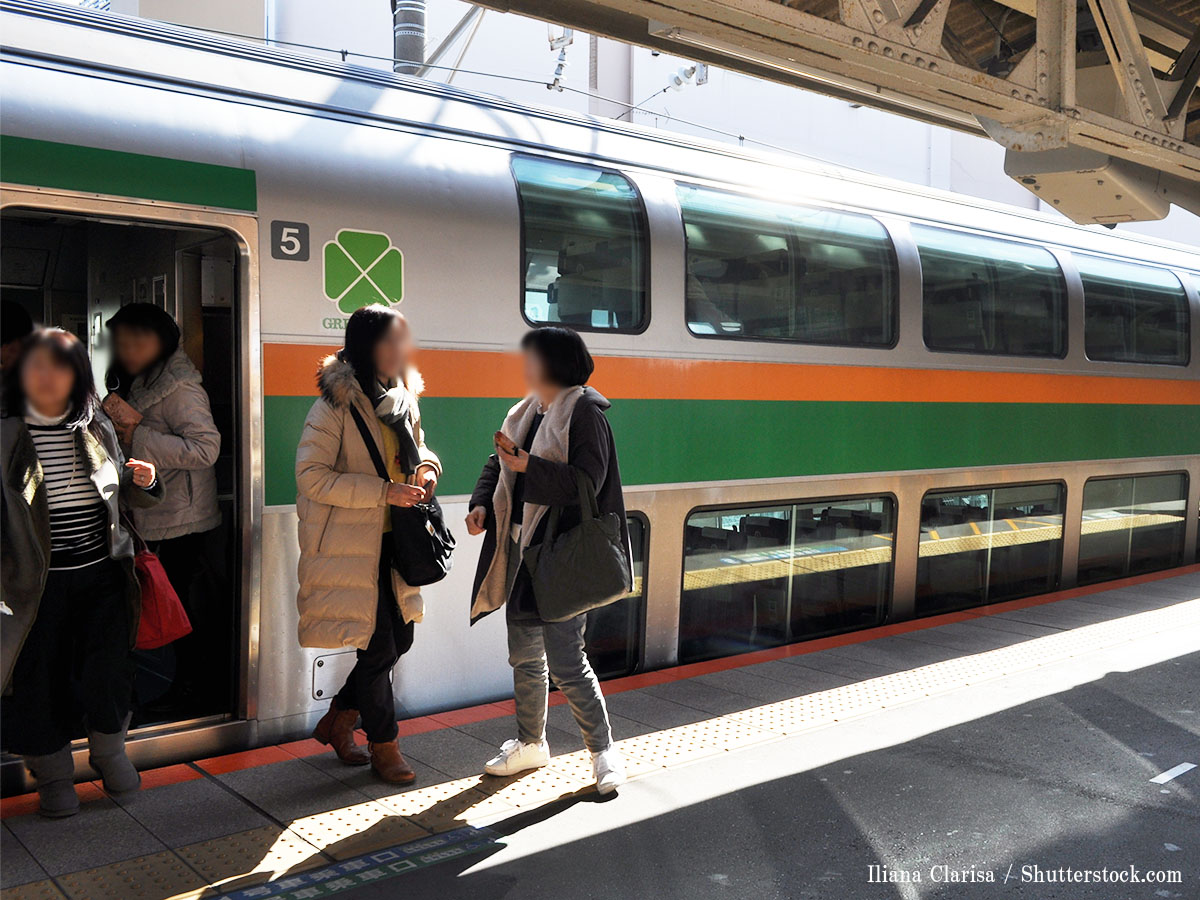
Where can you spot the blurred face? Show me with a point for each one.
(9, 353)
(536, 378)
(47, 382)
(393, 351)
(137, 349)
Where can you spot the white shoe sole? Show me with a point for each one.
(504, 772)
(608, 786)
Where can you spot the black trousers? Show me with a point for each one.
(368, 687)
(75, 664)
(204, 658)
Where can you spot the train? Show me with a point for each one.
(840, 400)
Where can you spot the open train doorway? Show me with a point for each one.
(78, 272)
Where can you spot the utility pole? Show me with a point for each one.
(408, 36)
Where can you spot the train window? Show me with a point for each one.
(990, 296)
(1133, 313)
(1131, 525)
(614, 632)
(779, 272)
(769, 575)
(584, 251)
(983, 545)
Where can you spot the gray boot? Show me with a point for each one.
(55, 774)
(107, 756)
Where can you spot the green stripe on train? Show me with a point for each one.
(663, 441)
(92, 170)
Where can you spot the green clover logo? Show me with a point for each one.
(361, 268)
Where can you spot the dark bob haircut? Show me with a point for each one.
(563, 353)
(365, 328)
(69, 351)
(141, 317)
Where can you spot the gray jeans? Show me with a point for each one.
(538, 652)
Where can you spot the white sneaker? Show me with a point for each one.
(516, 757)
(609, 767)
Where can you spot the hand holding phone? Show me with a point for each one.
(505, 443)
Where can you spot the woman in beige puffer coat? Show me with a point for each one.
(350, 594)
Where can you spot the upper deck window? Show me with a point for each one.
(990, 296)
(1133, 313)
(779, 272)
(584, 251)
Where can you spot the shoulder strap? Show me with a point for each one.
(372, 449)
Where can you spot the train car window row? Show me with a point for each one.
(773, 271)
(584, 247)
(768, 575)
(991, 296)
(614, 632)
(762, 576)
(984, 545)
(1133, 313)
(1132, 525)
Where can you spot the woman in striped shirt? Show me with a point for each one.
(71, 600)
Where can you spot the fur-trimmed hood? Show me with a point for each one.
(154, 387)
(338, 386)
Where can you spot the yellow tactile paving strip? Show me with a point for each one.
(242, 860)
(145, 878)
(35, 890)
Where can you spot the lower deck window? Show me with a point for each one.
(984, 545)
(1131, 525)
(770, 575)
(614, 632)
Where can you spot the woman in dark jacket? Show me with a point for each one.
(558, 429)
(71, 598)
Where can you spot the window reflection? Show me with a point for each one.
(584, 246)
(984, 545)
(1131, 525)
(777, 271)
(764, 576)
(1133, 313)
(987, 295)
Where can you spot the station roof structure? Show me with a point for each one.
(1095, 101)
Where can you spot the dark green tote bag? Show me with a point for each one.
(582, 569)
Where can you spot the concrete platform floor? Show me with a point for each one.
(975, 755)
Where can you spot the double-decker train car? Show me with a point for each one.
(839, 400)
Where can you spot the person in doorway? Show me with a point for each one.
(161, 412)
(15, 326)
(71, 596)
(350, 593)
(560, 427)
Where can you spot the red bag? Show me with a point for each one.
(163, 617)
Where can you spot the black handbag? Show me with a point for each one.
(582, 569)
(423, 547)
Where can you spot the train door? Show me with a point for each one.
(76, 270)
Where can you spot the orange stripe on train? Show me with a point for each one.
(289, 371)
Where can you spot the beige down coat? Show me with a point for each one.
(343, 507)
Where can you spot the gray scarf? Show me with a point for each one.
(393, 406)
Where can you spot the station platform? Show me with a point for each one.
(1047, 732)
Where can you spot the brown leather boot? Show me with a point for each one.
(389, 764)
(336, 729)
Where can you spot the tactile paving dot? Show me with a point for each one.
(34, 890)
(153, 877)
(250, 857)
(357, 829)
